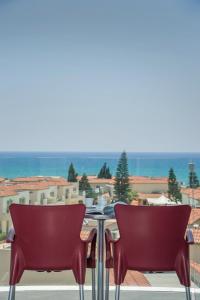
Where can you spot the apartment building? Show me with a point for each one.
(7, 197)
(35, 191)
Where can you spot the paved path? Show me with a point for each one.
(73, 295)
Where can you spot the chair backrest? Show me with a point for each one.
(47, 235)
(152, 236)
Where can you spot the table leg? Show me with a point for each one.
(100, 282)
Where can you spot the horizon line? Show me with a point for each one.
(89, 151)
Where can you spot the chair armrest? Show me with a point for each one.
(91, 259)
(109, 241)
(109, 238)
(91, 236)
(189, 237)
(10, 236)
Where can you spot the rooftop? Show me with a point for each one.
(144, 196)
(30, 184)
(196, 236)
(135, 202)
(192, 193)
(194, 216)
(28, 179)
(132, 179)
(147, 180)
(50, 180)
(7, 193)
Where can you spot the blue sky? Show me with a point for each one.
(99, 75)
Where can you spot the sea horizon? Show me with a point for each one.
(56, 163)
(77, 151)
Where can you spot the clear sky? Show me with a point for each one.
(100, 75)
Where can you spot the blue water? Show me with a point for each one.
(14, 164)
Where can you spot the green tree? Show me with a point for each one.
(108, 173)
(72, 175)
(174, 192)
(104, 172)
(193, 180)
(132, 195)
(121, 186)
(84, 185)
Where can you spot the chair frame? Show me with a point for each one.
(91, 262)
(110, 243)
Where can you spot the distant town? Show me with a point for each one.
(41, 190)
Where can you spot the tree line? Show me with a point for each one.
(122, 191)
(121, 181)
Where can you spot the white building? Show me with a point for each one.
(35, 191)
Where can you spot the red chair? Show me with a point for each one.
(151, 239)
(47, 238)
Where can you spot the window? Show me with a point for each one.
(9, 202)
(52, 194)
(22, 200)
(42, 196)
(66, 194)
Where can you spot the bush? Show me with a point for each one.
(2, 236)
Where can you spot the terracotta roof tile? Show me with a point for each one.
(28, 179)
(84, 234)
(194, 216)
(196, 235)
(195, 266)
(147, 195)
(146, 179)
(95, 180)
(37, 179)
(132, 278)
(31, 184)
(132, 180)
(192, 193)
(135, 202)
(24, 186)
(60, 182)
(4, 193)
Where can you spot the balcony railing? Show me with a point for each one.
(54, 292)
(62, 284)
(34, 285)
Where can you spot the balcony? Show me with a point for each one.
(51, 285)
(70, 293)
(36, 285)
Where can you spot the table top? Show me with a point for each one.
(99, 217)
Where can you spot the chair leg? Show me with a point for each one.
(11, 295)
(188, 293)
(81, 291)
(107, 284)
(93, 285)
(117, 292)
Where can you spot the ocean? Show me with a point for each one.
(15, 164)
